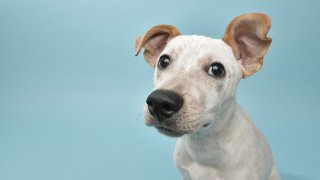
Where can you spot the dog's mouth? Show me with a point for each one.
(205, 125)
(175, 133)
(169, 132)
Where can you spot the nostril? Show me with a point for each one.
(149, 102)
(164, 103)
(166, 107)
(150, 106)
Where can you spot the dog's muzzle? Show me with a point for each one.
(162, 104)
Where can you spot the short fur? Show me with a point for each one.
(216, 140)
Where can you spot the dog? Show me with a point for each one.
(195, 81)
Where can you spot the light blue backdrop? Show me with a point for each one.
(71, 91)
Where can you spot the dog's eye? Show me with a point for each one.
(216, 69)
(164, 61)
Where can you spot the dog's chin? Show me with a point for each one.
(164, 129)
(169, 132)
(175, 133)
(173, 130)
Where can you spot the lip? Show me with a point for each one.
(169, 132)
(205, 125)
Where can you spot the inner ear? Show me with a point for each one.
(154, 42)
(249, 44)
(155, 45)
(247, 36)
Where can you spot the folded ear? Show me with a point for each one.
(154, 41)
(247, 36)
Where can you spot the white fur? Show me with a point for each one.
(231, 147)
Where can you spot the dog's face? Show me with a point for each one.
(204, 73)
(195, 76)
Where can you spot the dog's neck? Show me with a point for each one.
(213, 141)
(222, 123)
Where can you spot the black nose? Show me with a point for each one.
(163, 104)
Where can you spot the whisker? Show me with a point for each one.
(139, 116)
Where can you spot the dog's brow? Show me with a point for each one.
(175, 51)
(206, 58)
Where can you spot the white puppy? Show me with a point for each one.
(195, 80)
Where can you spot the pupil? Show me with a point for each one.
(216, 70)
(165, 63)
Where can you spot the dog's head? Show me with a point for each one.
(196, 77)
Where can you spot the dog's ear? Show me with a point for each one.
(247, 36)
(154, 41)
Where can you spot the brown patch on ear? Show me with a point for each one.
(154, 41)
(247, 36)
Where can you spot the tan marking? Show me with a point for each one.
(247, 36)
(154, 41)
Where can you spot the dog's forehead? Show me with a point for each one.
(193, 48)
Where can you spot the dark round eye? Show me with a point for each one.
(164, 61)
(216, 69)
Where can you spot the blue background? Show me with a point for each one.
(72, 92)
